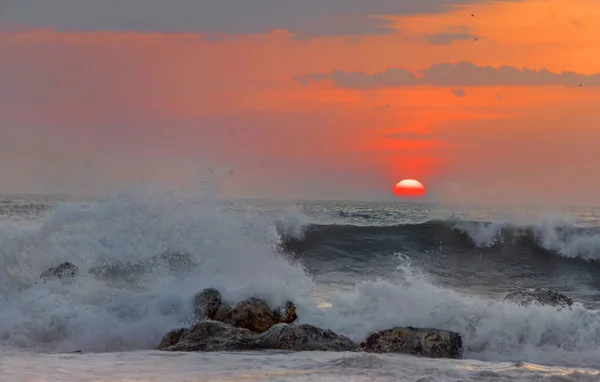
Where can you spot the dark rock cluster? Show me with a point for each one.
(253, 325)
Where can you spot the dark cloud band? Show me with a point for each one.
(306, 18)
(460, 74)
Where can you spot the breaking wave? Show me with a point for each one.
(552, 237)
(142, 257)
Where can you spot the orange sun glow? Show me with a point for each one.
(410, 188)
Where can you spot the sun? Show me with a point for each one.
(409, 188)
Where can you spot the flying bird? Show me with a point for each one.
(580, 85)
(472, 15)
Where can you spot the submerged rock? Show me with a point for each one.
(434, 343)
(115, 273)
(542, 296)
(207, 303)
(208, 336)
(64, 271)
(303, 337)
(127, 272)
(176, 262)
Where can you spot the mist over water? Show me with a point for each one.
(234, 252)
(344, 271)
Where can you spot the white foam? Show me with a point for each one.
(491, 330)
(236, 252)
(557, 234)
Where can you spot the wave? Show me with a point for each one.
(141, 297)
(551, 237)
(132, 305)
(492, 330)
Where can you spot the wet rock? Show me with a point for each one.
(542, 296)
(286, 313)
(253, 314)
(222, 313)
(65, 271)
(208, 336)
(207, 303)
(434, 343)
(303, 337)
(218, 336)
(171, 338)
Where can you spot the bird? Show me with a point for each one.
(472, 15)
(580, 85)
(476, 38)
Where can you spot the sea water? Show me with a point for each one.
(355, 268)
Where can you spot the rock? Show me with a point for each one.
(171, 338)
(542, 296)
(286, 313)
(65, 271)
(207, 303)
(218, 336)
(208, 336)
(222, 313)
(434, 343)
(253, 314)
(303, 337)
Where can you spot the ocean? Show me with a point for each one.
(353, 267)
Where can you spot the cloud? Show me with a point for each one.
(447, 38)
(391, 77)
(353, 25)
(450, 35)
(306, 18)
(449, 75)
(460, 93)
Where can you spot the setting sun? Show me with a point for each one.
(409, 188)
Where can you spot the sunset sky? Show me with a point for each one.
(316, 99)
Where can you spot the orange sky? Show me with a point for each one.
(84, 109)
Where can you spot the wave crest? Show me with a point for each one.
(555, 237)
